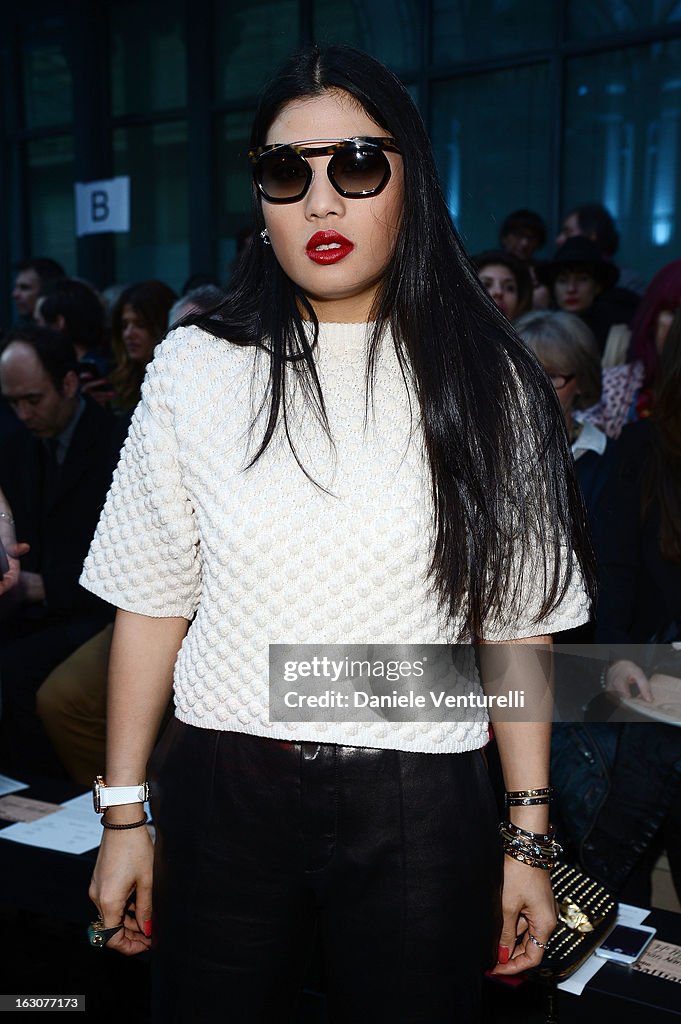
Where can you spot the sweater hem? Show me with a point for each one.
(394, 740)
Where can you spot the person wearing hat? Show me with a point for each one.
(581, 282)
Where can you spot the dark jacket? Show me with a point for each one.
(616, 306)
(616, 782)
(640, 591)
(60, 529)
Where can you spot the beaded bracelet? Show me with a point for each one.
(533, 856)
(531, 862)
(543, 863)
(121, 828)
(536, 849)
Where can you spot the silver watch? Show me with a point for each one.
(104, 796)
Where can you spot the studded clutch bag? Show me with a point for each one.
(586, 913)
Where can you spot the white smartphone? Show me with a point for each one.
(625, 944)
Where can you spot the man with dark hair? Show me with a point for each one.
(73, 308)
(55, 473)
(522, 233)
(33, 276)
(595, 222)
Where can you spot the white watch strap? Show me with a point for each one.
(114, 796)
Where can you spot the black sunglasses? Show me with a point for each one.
(358, 167)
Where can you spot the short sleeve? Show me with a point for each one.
(521, 618)
(145, 555)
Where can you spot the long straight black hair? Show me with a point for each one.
(507, 512)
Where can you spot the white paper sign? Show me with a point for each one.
(103, 206)
(8, 785)
(73, 829)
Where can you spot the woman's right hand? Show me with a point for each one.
(623, 675)
(121, 888)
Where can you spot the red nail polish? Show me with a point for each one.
(503, 955)
(147, 929)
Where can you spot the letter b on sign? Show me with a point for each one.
(100, 206)
(103, 206)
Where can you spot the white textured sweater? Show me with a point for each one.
(263, 555)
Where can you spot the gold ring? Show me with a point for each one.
(98, 935)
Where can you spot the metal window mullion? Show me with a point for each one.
(305, 22)
(558, 120)
(201, 184)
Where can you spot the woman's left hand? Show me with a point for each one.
(529, 909)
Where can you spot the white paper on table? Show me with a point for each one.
(626, 914)
(73, 829)
(8, 785)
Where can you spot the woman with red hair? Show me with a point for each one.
(651, 324)
(627, 393)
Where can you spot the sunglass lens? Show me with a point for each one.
(359, 171)
(283, 175)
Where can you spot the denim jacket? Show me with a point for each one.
(615, 783)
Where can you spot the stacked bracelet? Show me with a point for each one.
(536, 849)
(121, 828)
(529, 797)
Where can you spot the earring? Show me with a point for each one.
(265, 237)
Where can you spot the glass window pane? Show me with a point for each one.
(148, 58)
(484, 181)
(52, 207)
(251, 42)
(158, 242)
(47, 85)
(587, 18)
(390, 30)
(234, 187)
(623, 147)
(487, 28)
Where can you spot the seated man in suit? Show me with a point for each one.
(55, 473)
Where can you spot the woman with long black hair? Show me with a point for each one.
(354, 449)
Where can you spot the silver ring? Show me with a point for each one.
(531, 937)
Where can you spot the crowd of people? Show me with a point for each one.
(71, 370)
(611, 345)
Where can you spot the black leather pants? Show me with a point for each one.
(392, 858)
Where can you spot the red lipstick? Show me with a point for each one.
(328, 247)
